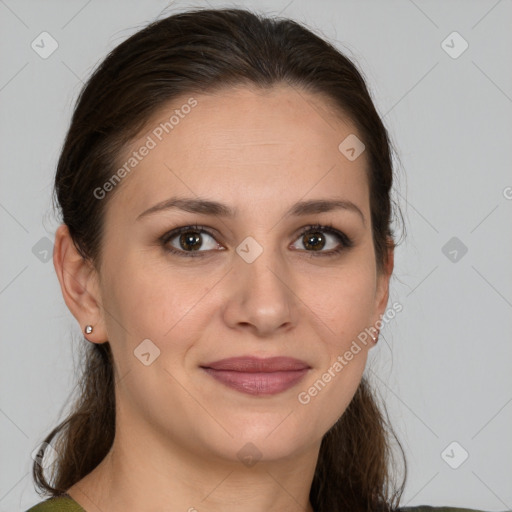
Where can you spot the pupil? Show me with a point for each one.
(190, 241)
(317, 240)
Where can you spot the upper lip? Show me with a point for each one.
(252, 364)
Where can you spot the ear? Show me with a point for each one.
(382, 293)
(79, 284)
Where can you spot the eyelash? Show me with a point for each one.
(345, 241)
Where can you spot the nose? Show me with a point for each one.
(260, 295)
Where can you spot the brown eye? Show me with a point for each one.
(314, 240)
(188, 240)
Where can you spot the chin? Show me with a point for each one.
(274, 437)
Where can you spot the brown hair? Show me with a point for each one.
(200, 51)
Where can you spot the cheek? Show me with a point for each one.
(345, 302)
(325, 397)
(152, 302)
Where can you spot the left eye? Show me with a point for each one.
(317, 238)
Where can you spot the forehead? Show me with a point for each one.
(246, 143)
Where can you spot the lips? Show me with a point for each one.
(254, 364)
(257, 376)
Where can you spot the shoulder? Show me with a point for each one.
(427, 508)
(58, 504)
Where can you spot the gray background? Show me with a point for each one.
(443, 365)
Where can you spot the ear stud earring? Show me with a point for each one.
(88, 329)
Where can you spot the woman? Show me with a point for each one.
(226, 249)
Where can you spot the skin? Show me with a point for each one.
(179, 430)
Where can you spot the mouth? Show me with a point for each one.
(256, 376)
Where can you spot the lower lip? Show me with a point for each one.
(268, 383)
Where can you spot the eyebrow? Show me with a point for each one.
(207, 207)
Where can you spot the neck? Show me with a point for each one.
(146, 476)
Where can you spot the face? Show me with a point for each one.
(263, 282)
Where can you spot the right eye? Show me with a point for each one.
(188, 240)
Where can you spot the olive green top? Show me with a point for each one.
(67, 504)
(59, 504)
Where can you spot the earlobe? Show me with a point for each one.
(383, 283)
(79, 286)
